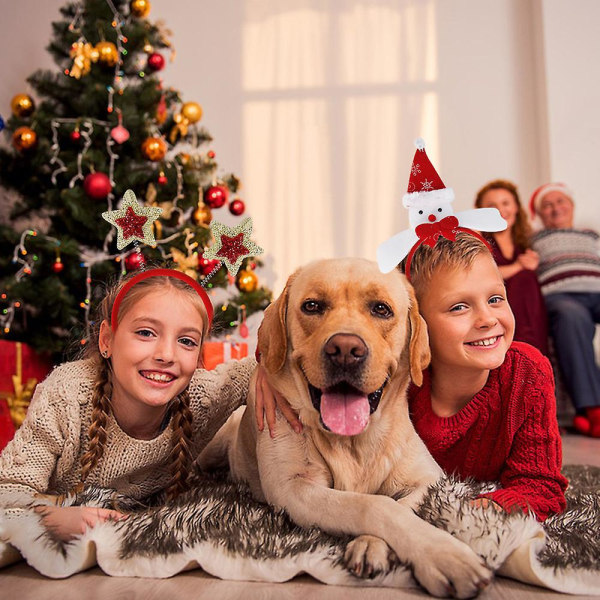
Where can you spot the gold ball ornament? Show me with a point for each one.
(140, 8)
(22, 106)
(202, 215)
(154, 148)
(108, 54)
(24, 138)
(192, 111)
(247, 281)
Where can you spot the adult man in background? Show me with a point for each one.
(569, 276)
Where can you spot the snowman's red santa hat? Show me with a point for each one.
(425, 187)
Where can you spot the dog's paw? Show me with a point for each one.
(452, 569)
(368, 556)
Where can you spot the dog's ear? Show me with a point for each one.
(272, 333)
(418, 346)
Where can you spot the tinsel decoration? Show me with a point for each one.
(83, 55)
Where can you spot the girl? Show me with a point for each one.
(517, 262)
(134, 413)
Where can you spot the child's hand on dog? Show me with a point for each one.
(267, 400)
(485, 503)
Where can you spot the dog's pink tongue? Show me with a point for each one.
(345, 414)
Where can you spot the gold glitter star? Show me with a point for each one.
(232, 244)
(133, 221)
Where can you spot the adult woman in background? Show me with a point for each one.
(517, 262)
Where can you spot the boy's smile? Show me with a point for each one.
(470, 323)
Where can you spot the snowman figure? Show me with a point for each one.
(430, 214)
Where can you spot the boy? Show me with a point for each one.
(486, 407)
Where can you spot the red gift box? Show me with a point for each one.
(21, 368)
(7, 427)
(215, 353)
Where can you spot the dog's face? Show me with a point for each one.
(345, 331)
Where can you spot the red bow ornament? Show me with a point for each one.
(429, 233)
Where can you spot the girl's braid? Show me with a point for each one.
(181, 455)
(100, 411)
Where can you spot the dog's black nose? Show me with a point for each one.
(346, 350)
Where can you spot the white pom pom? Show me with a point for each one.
(420, 143)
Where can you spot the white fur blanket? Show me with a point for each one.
(218, 527)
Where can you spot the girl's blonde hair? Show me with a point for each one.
(180, 456)
(458, 254)
(521, 230)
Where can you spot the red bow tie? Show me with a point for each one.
(430, 232)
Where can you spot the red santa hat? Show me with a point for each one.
(536, 198)
(425, 186)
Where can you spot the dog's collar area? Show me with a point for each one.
(344, 388)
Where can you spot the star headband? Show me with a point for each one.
(431, 216)
(160, 273)
(134, 223)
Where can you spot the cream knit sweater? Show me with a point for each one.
(45, 454)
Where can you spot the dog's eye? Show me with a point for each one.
(312, 307)
(382, 310)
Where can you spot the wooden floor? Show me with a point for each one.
(20, 582)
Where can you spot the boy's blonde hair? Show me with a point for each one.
(458, 254)
(181, 414)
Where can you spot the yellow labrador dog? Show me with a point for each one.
(341, 344)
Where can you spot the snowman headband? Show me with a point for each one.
(134, 223)
(431, 216)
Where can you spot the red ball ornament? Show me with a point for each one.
(206, 266)
(75, 135)
(210, 154)
(237, 207)
(97, 185)
(162, 179)
(156, 61)
(58, 266)
(135, 261)
(215, 196)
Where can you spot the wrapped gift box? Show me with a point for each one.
(21, 368)
(215, 353)
(7, 427)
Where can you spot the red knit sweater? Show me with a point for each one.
(506, 433)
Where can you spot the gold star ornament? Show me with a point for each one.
(232, 244)
(133, 221)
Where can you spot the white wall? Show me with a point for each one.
(510, 88)
(572, 51)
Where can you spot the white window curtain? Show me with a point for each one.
(334, 93)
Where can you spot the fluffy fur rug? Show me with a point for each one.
(219, 527)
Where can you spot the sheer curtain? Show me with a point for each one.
(334, 93)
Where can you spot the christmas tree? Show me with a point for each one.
(102, 124)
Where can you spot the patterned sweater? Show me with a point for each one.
(45, 454)
(569, 260)
(507, 433)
